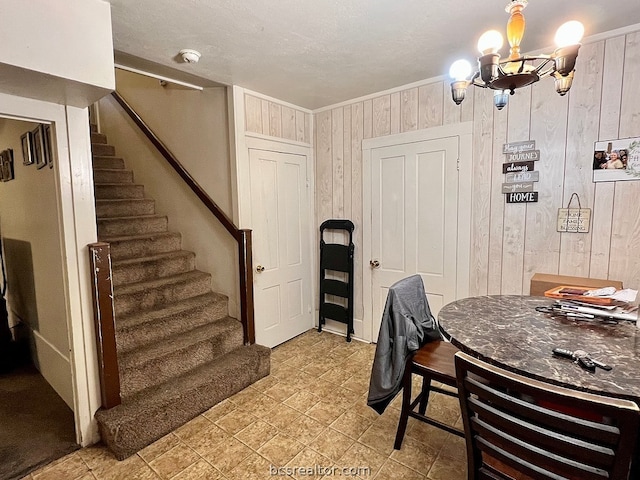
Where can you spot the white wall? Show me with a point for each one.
(59, 51)
(510, 242)
(193, 125)
(29, 224)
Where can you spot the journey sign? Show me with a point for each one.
(532, 155)
(516, 147)
(522, 197)
(517, 167)
(522, 177)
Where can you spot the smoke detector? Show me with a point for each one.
(190, 56)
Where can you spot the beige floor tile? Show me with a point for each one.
(331, 443)
(455, 448)
(280, 449)
(361, 456)
(193, 428)
(395, 471)
(256, 434)
(71, 467)
(351, 424)
(174, 461)
(159, 447)
(235, 421)
(201, 470)
(324, 412)
(364, 410)
(301, 400)
(308, 460)
(280, 391)
(379, 439)
(304, 429)
(336, 375)
(260, 406)
(427, 434)
(96, 455)
(124, 469)
(265, 383)
(227, 454)
(220, 410)
(445, 468)
(209, 440)
(415, 455)
(281, 416)
(254, 467)
(317, 369)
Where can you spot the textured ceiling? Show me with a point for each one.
(315, 53)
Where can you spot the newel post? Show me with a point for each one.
(105, 322)
(246, 286)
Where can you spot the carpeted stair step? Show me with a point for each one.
(98, 137)
(157, 363)
(139, 269)
(128, 207)
(93, 128)
(159, 292)
(153, 413)
(102, 149)
(139, 225)
(112, 175)
(106, 191)
(107, 162)
(143, 245)
(143, 328)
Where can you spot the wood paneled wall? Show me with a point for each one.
(511, 242)
(276, 120)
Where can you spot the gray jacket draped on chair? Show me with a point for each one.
(407, 324)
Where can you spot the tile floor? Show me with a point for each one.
(310, 411)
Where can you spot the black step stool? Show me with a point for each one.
(337, 258)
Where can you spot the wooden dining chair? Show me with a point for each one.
(517, 424)
(434, 362)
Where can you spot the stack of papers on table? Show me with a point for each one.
(607, 303)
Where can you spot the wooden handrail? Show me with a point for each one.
(105, 322)
(242, 236)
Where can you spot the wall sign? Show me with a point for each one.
(532, 155)
(515, 147)
(517, 187)
(574, 220)
(520, 158)
(522, 197)
(521, 177)
(517, 167)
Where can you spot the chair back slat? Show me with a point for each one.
(542, 438)
(542, 430)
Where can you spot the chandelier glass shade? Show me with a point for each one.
(505, 76)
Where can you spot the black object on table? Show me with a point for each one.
(337, 258)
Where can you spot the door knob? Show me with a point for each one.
(374, 263)
(259, 269)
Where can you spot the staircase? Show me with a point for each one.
(179, 352)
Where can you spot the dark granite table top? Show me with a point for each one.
(508, 332)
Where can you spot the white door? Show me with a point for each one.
(414, 215)
(281, 250)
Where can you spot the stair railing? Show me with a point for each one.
(241, 236)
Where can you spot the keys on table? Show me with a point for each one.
(582, 358)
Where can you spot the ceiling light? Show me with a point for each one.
(190, 56)
(505, 76)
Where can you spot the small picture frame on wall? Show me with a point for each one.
(48, 144)
(27, 148)
(6, 165)
(39, 151)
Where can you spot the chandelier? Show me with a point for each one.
(505, 76)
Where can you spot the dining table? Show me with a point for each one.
(508, 332)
